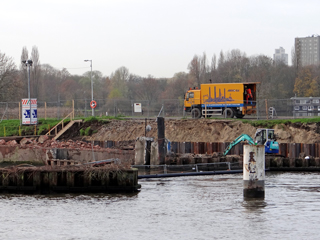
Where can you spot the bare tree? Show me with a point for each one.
(213, 69)
(203, 68)
(10, 84)
(195, 70)
(24, 56)
(50, 84)
(214, 62)
(119, 81)
(36, 71)
(23, 69)
(221, 59)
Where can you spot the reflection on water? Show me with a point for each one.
(254, 204)
(202, 207)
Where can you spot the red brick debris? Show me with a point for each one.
(45, 142)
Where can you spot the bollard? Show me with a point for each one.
(253, 171)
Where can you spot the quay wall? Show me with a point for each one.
(291, 155)
(56, 180)
(40, 155)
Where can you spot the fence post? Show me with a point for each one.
(205, 107)
(267, 109)
(178, 108)
(45, 110)
(257, 105)
(225, 108)
(19, 111)
(58, 112)
(72, 109)
(131, 108)
(85, 107)
(163, 114)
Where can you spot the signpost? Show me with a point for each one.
(137, 107)
(29, 112)
(93, 104)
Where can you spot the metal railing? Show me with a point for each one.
(198, 167)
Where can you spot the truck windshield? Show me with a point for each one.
(189, 95)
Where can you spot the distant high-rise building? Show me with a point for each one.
(307, 51)
(280, 56)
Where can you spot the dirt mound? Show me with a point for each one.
(202, 130)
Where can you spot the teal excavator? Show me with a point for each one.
(263, 136)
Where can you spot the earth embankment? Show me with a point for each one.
(203, 130)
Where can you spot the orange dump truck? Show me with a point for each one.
(229, 99)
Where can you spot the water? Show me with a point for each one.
(204, 207)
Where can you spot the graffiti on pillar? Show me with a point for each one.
(251, 167)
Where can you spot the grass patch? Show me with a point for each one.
(103, 119)
(90, 119)
(272, 123)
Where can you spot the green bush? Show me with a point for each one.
(87, 131)
(81, 132)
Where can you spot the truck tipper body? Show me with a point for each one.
(229, 99)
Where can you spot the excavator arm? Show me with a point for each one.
(242, 137)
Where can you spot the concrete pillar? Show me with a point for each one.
(143, 150)
(154, 158)
(253, 171)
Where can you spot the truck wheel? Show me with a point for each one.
(239, 116)
(229, 112)
(195, 113)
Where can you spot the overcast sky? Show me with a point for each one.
(156, 37)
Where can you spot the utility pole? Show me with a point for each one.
(28, 63)
(91, 85)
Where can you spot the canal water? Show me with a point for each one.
(202, 207)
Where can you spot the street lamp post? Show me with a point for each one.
(28, 63)
(91, 84)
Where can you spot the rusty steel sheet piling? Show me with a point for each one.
(253, 171)
(161, 140)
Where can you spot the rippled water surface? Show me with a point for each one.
(204, 207)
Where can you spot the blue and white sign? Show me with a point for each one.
(26, 111)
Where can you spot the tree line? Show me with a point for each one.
(277, 80)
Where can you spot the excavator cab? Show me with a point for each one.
(263, 136)
(266, 137)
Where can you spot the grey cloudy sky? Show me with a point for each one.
(156, 37)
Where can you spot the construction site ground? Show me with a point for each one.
(195, 130)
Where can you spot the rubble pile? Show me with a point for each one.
(45, 142)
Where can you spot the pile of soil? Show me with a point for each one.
(201, 130)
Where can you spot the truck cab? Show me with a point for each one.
(192, 100)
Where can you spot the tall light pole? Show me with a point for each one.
(91, 84)
(28, 63)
